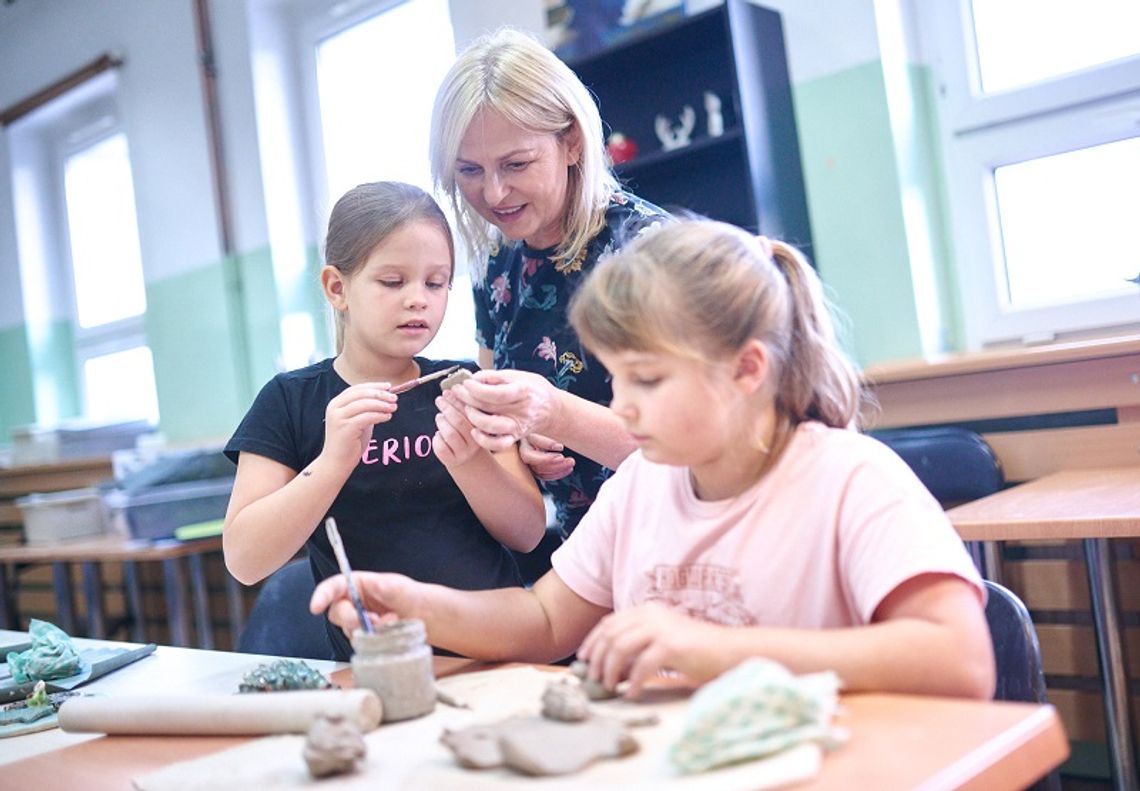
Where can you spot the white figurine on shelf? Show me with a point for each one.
(675, 136)
(712, 110)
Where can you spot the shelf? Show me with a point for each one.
(655, 158)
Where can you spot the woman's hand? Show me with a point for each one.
(505, 406)
(453, 443)
(385, 598)
(349, 419)
(545, 458)
(637, 643)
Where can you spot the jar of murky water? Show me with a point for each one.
(395, 662)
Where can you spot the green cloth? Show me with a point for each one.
(51, 656)
(754, 710)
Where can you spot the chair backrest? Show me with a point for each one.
(1017, 654)
(280, 623)
(954, 463)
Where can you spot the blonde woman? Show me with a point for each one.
(517, 147)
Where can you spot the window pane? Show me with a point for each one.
(1024, 41)
(377, 81)
(120, 386)
(1068, 224)
(104, 234)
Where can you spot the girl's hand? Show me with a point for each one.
(637, 643)
(349, 419)
(385, 597)
(506, 405)
(544, 457)
(452, 443)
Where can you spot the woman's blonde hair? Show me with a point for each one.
(512, 73)
(701, 289)
(368, 214)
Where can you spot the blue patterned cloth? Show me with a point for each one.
(520, 314)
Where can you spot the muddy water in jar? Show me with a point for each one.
(395, 662)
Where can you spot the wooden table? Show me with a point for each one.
(1092, 505)
(129, 552)
(897, 741)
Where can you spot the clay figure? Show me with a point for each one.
(565, 701)
(333, 746)
(594, 690)
(457, 378)
(540, 746)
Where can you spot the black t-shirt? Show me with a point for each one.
(399, 510)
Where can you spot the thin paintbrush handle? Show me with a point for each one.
(346, 570)
(404, 387)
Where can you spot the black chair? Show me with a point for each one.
(1017, 656)
(956, 465)
(280, 623)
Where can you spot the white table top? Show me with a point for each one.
(185, 671)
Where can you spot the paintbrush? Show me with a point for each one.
(404, 387)
(346, 570)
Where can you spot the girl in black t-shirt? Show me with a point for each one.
(409, 488)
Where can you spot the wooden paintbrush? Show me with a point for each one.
(404, 387)
(346, 570)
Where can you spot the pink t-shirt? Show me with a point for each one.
(819, 542)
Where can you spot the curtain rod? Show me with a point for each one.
(81, 75)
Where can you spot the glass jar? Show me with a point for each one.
(395, 663)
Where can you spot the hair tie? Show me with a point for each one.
(765, 245)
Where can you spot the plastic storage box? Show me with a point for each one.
(59, 516)
(156, 512)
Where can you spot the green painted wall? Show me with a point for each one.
(197, 368)
(852, 181)
(17, 400)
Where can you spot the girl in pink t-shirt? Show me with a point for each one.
(752, 521)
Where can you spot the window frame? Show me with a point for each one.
(88, 124)
(982, 132)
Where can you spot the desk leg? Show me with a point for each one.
(133, 594)
(64, 596)
(175, 601)
(201, 604)
(93, 592)
(1110, 646)
(8, 617)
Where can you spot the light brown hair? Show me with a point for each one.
(701, 289)
(512, 73)
(368, 214)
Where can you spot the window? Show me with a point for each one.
(1039, 104)
(81, 277)
(116, 372)
(375, 75)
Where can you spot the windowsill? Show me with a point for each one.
(975, 362)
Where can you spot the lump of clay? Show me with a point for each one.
(540, 746)
(594, 690)
(333, 746)
(565, 701)
(457, 378)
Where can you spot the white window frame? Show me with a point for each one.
(982, 132)
(92, 123)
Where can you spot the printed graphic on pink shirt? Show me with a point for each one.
(708, 592)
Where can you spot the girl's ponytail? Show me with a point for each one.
(818, 382)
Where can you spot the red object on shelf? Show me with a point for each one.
(621, 148)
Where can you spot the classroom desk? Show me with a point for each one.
(129, 552)
(1094, 506)
(897, 741)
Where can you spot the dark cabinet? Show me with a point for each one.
(750, 173)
